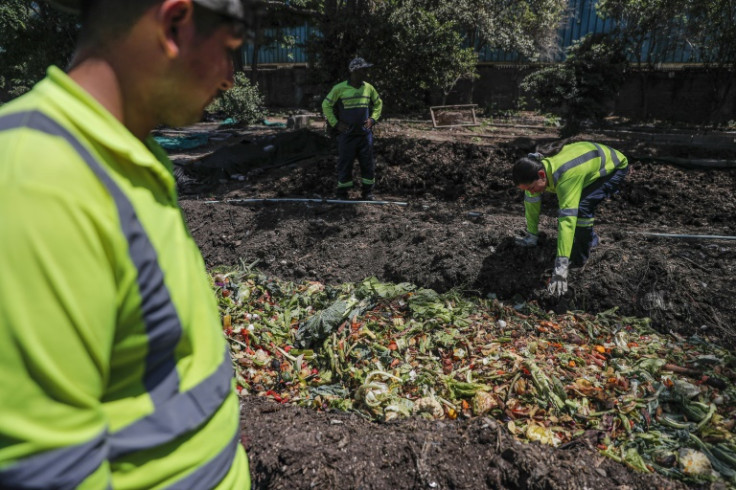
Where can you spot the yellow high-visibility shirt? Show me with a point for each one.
(113, 368)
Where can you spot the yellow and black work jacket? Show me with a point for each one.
(351, 105)
(575, 167)
(113, 368)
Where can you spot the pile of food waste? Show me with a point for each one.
(653, 401)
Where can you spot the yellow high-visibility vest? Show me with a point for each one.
(113, 368)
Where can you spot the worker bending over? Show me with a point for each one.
(582, 174)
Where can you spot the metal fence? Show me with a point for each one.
(582, 20)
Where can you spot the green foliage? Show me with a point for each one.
(32, 36)
(650, 30)
(583, 85)
(712, 32)
(528, 27)
(422, 48)
(243, 102)
(417, 57)
(344, 28)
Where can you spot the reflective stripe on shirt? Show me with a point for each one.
(602, 154)
(586, 157)
(66, 467)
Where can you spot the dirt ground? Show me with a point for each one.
(456, 231)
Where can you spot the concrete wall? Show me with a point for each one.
(676, 95)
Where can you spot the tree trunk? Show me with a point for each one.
(239, 60)
(254, 64)
(257, 36)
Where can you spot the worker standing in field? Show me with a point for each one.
(352, 108)
(114, 372)
(582, 174)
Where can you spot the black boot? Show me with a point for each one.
(585, 239)
(368, 193)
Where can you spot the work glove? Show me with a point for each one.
(342, 126)
(528, 240)
(535, 156)
(558, 284)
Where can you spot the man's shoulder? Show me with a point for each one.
(340, 86)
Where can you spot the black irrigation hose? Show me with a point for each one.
(693, 163)
(685, 237)
(319, 201)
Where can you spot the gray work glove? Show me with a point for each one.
(558, 284)
(528, 240)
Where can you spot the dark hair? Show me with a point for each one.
(107, 20)
(526, 170)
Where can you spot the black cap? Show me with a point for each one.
(231, 8)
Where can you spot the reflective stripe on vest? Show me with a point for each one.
(585, 222)
(586, 157)
(615, 159)
(177, 416)
(66, 467)
(602, 154)
(174, 413)
(211, 473)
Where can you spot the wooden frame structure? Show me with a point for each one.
(440, 108)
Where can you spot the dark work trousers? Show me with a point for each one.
(592, 196)
(349, 146)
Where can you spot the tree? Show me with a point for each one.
(650, 31)
(711, 32)
(418, 58)
(528, 27)
(33, 36)
(345, 26)
(583, 86)
(417, 45)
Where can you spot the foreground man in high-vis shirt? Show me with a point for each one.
(113, 369)
(582, 175)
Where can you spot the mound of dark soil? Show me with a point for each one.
(295, 448)
(457, 232)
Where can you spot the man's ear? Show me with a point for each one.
(172, 17)
(542, 174)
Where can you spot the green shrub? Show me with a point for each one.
(243, 102)
(584, 86)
